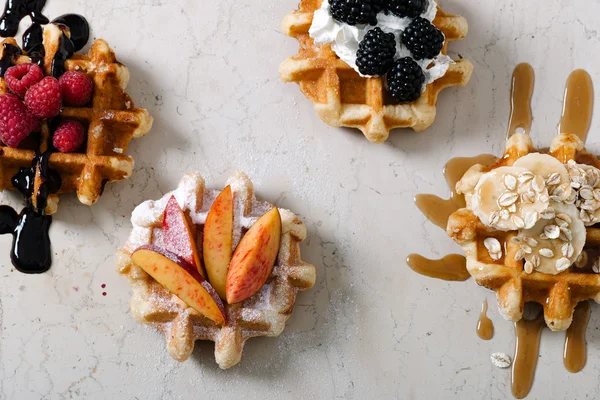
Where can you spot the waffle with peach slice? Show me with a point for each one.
(210, 265)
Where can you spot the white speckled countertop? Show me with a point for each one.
(370, 328)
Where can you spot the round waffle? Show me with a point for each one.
(263, 314)
(110, 118)
(558, 294)
(342, 97)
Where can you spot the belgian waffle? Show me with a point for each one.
(263, 314)
(111, 121)
(558, 294)
(342, 97)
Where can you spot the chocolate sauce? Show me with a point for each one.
(33, 44)
(78, 27)
(31, 242)
(16, 10)
(7, 60)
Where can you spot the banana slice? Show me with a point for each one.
(554, 243)
(468, 182)
(510, 198)
(553, 171)
(585, 187)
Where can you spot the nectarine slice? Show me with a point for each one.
(218, 238)
(182, 279)
(254, 257)
(178, 236)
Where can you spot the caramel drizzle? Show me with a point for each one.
(575, 353)
(453, 267)
(438, 210)
(578, 105)
(521, 90)
(485, 326)
(527, 347)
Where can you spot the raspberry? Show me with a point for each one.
(376, 52)
(21, 77)
(76, 88)
(69, 136)
(405, 80)
(44, 99)
(423, 39)
(16, 123)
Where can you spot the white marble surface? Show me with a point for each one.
(370, 328)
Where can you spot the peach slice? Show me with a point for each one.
(254, 257)
(182, 279)
(178, 235)
(218, 240)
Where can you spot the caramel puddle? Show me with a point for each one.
(485, 326)
(575, 353)
(453, 267)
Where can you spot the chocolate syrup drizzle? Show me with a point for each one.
(31, 251)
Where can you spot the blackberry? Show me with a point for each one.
(406, 8)
(423, 39)
(376, 51)
(405, 80)
(355, 12)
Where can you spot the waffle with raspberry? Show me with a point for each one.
(110, 121)
(264, 313)
(342, 98)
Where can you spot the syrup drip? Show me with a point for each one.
(453, 267)
(521, 90)
(527, 347)
(31, 251)
(575, 353)
(438, 210)
(485, 326)
(578, 105)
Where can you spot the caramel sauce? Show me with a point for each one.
(438, 210)
(453, 267)
(521, 90)
(527, 347)
(575, 353)
(578, 105)
(485, 326)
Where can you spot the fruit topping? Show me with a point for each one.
(16, 123)
(21, 77)
(44, 99)
(510, 198)
(355, 12)
(406, 8)
(68, 136)
(178, 235)
(218, 240)
(423, 39)
(76, 88)
(182, 279)
(375, 55)
(554, 243)
(254, 257)
(405, 80)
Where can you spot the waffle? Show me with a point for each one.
(558, 294)
(111, 121)
(342, 97)
(263, 314)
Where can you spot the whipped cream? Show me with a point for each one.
(344, 38)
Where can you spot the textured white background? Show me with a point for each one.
(370, 328)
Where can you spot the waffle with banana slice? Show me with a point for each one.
(529, 229)
(111, 120)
